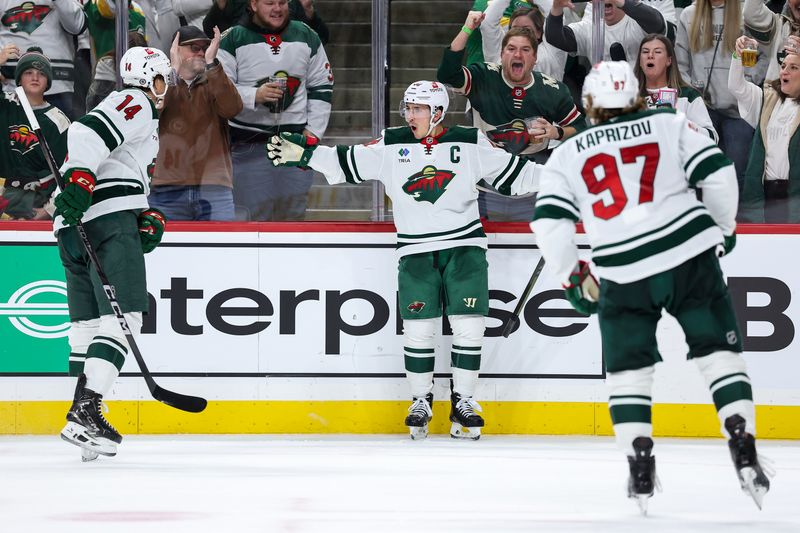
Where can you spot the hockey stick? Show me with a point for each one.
(192, 404)
(513, 321)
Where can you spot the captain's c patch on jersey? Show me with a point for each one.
(429, 184)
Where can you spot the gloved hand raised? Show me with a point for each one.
(152, 224)
(291, 149)
(76, 197)
(583, 291)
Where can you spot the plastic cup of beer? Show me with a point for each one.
(750, 54)
(280, 81)
(532, 124)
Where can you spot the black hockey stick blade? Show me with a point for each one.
(513, 322)
(191, 404)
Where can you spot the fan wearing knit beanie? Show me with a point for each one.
(28, 182)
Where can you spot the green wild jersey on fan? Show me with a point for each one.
(117, 142)
(631, 181)
(501, 107)
(432, 183)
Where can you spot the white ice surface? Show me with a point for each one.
(376, 484)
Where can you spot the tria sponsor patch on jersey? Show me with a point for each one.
(512, 136)
(429, 184)
(22, 138)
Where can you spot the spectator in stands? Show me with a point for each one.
(657, 70)
(100, 15)
(773, 30)
(503, 96)
(193, 179)
(549, 59)
(626, 24)
(164, 17)
(476, 49)
(772, 180)
(227, 13)
(282, 73)
(668, 8)
(49, 25)
(707, 35)
(28, 180)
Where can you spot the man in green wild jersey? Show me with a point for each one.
(631, 179)
(430, 172)
(112, 151)
(517, 108)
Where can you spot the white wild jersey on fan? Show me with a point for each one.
(118, 142)
(432, 183)
(629, 181)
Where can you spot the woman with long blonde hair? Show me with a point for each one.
(706, 40)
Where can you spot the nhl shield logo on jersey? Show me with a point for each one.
(512, 136)
(25, 18)
(22, 138)
(416, 306)
(429, 184)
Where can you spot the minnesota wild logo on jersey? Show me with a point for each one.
(512, 136)
(429, 184)
(22, 138)
(26, 17)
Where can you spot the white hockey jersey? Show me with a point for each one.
(630, 181)
(432, 183)
(118, 142)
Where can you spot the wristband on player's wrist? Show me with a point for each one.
(466, 30)
(560, 132)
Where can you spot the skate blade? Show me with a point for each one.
(641, 501)
(747, 477)
(418, 433)
(457, 431)
(77, 435)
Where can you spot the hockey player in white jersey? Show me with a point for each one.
(430, 173)
(631, 178)
(111, 153)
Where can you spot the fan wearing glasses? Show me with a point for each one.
(193, 178)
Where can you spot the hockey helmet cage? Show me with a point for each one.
(141, 65)
(430, 93)
(612, 85)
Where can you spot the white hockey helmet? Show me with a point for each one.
(430, 93)
(611, 84)
(141, 65)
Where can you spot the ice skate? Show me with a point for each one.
(87, 427)
(642, 480)
(419, 414)
(467, 423)
(753, 476)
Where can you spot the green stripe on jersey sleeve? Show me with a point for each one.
(708, 166)
(99, 127)
(341, 153)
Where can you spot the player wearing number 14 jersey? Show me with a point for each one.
(110, 155)
(631, 178)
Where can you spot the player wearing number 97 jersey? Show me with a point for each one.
(110, 156)
(631, 178)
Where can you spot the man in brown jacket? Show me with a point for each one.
(193, 174)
